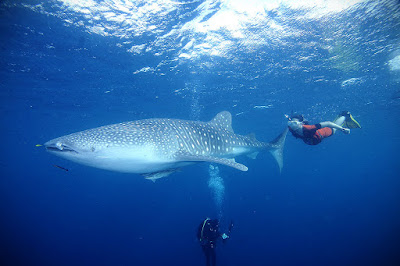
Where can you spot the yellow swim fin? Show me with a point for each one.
(350, 122)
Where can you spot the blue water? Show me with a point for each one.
(67, 66)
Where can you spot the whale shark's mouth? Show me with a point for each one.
(57, 147)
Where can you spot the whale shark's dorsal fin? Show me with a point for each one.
(223, 120)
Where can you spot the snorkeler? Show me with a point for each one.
(208, 234)
(314, 134)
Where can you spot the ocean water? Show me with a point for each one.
(68, 65)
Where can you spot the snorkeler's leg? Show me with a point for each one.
(338, 121)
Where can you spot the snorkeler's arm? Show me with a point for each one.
(335, 126)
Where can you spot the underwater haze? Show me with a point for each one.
(69, 65)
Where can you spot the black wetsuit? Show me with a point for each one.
(208, 234)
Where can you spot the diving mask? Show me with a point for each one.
(295, 125)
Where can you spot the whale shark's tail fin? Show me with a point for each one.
(275, 147)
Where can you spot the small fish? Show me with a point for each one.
(38, 145)
(62, 168)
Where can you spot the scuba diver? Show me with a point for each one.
(208, 233)
(314, 134)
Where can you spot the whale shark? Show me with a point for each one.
(158, 147)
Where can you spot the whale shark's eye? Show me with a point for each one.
(93, 149)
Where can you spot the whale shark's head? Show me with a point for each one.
(120, 147)
(71, 148)
(92, 142)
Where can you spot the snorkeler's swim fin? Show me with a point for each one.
(349, 122)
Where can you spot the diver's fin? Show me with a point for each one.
(275, 147)
(183, 156)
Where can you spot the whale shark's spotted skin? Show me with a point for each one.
(157, 147)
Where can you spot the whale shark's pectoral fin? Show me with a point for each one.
(204, 158)
(157, 175)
